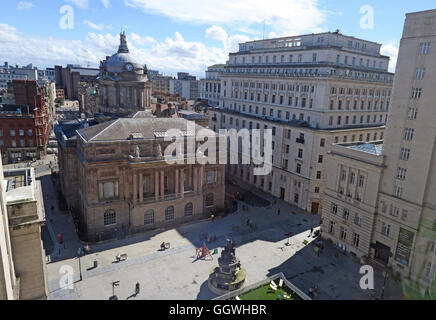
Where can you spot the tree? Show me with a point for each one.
(60, 101)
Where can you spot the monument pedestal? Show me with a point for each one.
(228, 276)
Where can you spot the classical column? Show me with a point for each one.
(182, 182)
(195, 179)
(177, 182)
(162, 184)
(135, 188)
(141, 187)
(201, 178)
(156, 185)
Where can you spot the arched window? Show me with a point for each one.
(169, 214)
(189, 209)
(149, 217)
(209, 200)
(110, 218)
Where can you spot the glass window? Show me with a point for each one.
(189, 208)
(149, 217)
(169, 213)
(110, 218)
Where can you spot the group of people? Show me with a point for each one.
(313, 292)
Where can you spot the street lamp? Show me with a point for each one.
(80, 265)
(114, 284)
(386, 276)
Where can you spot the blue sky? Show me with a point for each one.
(183, 35)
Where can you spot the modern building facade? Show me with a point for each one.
(402, 229)
(114, 177)
(312, 91)
(68, 78)
(160, 84)
(211, 85)
(186, 86)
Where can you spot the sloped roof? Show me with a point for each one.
(121, 129)
(368, 148)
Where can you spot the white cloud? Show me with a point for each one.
(284, 16)
(83, 4)
(392, 51)
(24, 5)
(169, 56)
(230, 43)
(106, 3)
(216, 33)
(99, 27)
(141, 41)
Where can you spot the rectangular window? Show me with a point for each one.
(332, 227)
(298, 168)
(424, 48)
(405, 154)
(420, 73)
(416, 93)
(398, 191)
(412, 114)
(386, 228)
(356, 240)
(358, 219)
(408, 134)
(211, 176)
(108, 190)
(343, 234)
(401, 174)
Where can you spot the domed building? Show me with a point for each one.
(123, 84)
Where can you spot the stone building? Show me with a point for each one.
(312, 91)
(22, 265)
(123, 84)
(115, 177)
(351, 195)
(398, 209)
(210, 87)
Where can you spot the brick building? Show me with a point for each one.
(24, 125)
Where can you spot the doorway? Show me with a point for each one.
(315, 207)
(282, 193)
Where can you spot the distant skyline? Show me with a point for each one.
(183, 36)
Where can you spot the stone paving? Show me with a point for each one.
(176, 274)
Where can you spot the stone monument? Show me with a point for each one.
(229, 275)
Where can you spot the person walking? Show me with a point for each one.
(137, 289)
(278, 212)
(311, 231)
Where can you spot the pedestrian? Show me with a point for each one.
(278, 212)
(248, 222)
(311, 231)
(137, 288)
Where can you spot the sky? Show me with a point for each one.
(184, 35)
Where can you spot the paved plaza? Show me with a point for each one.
(177, 274)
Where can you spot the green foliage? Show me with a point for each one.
(60, 101)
